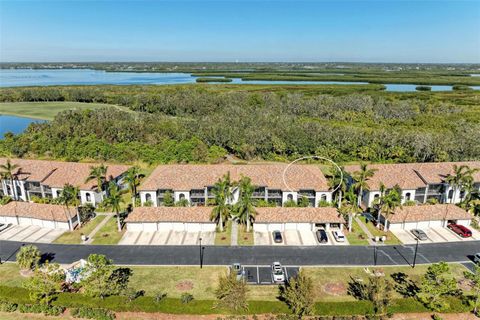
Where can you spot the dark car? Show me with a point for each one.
(277, 236)
(462, 231)
(419, 234)
(322, 236)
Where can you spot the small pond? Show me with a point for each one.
(14, 124)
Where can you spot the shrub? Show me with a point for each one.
(159, 296)
(28, 257)
(6, 306)
(186, 297)
(41, 308)
(92, 313)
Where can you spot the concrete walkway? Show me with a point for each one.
(365, 230)
(97, 228)
(234, 236)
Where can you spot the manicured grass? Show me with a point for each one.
(108, 234)
(357, 236)
(245, 238)
(46, 110)
(325, 279)
(224, 238)
(74, 237)
(391, 239)
(10, 275)
(177, 280)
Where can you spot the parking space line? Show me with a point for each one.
(258, 275)
(435, 231)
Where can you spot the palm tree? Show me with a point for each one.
(222, 191)
(462, 176)
(115, 199)
(389, 203)
(7, 173)
(361, 178)
(132, 178)
(350, 207)
(69, 196)
(99, 174)
(244, 209)
(339, 180)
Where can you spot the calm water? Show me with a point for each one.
(46, 77)
(14, 124)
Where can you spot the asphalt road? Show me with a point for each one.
(256, 255)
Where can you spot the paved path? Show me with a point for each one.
(97, 228)
(256, 255)
(365, 229)
(234, 236)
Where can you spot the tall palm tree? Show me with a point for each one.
(7, 173)
(456, 180)
(350, 207)
(133, 178)
(244, 209)
(69, 196)
(100, 175)
(361, 178)
(222, 191)
(338, 179)
(115, 199)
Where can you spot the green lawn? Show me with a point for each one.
(73, 237)
(177, 280)
(10, 275)
(224, 238)
(391, 239)
(325, 278)
(245, 238)
(46, 110)
(108, 234)
(357, 236)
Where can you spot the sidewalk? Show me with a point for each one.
(365, 229)
(100, 225)
(234, 236)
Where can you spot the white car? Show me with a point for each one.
(278, 275)
(476, 258)
(339, 236)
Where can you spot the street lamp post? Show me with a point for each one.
(201, 252)
(415, 256)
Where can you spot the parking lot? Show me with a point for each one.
(30, 234)
(262, 275)
(294, 238)
(167, 238)
(435, 235)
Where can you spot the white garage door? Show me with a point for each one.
(260, 227)
(275, 226)
(423, 225)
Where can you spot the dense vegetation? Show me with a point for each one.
(199, 123)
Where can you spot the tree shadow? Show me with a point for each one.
(357, 289)
(47, 256)
(405, 286)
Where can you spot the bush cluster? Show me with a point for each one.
(92, 313)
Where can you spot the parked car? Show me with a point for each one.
(476, 258)
(339, 236)
(277, 236)
(278, 275)
(238, 270)
(419, 234)
(462, 231)
(322, 236)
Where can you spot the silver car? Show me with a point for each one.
(476, 258)
(419, 234)
(238, 270)
(278, 275)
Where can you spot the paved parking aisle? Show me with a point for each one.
(475, 233)
(176, 238)
(208, 238)
(405, 236)
(145, 237)
(130, 237)
(160, 238)
(434, 236)
(11, 231)
(262, 275)
(447, 234)
(191, 238)
(30, 234)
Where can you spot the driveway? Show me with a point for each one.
(166, 238)
(262, 238)
(435, 235)
(30, 234)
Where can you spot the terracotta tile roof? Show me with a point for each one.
(37, 211)
(56, 173)
(312, 215)
(412, 175)
(187, 177)
(170, 214)
(429, 213)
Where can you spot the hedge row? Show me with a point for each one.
(200, 307)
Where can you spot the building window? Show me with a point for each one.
(462, 194)
(88, 197)
(181, 196)
(450, 194)
(289, 197)
(19, 191)
(59, 193)
(148, 197)
(407, 196)
(323, 197)
(376, 196)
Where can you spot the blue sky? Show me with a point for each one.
(364, 31)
